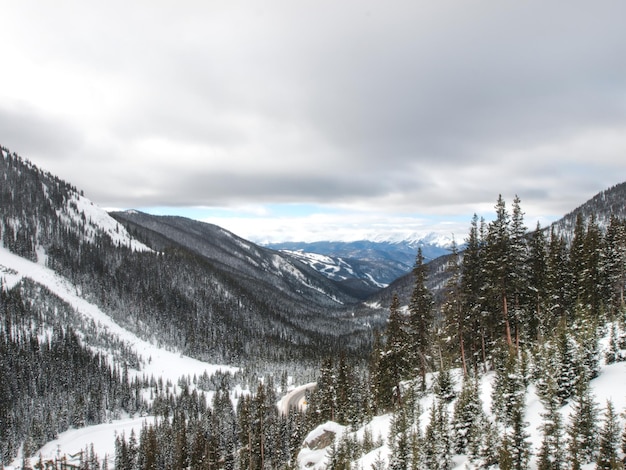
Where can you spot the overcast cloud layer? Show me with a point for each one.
(287, 119)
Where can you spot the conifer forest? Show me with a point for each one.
(534, 311)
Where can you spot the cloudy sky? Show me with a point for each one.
(289, 119)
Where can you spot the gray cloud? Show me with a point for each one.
(432, 107)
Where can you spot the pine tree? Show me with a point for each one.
(550, 455)
(567, 361)
(438, 439)
(539, 323)
(614, 353)
(420, 321)
(400, 439)
(559, 281)
(468, 419)
(472, 283)
(523, 322)
(391, 365)
(444, 386)
(582, 430)
(508, 393)
(455, 316)
(609, 440)
(614, 265)
(498, 269)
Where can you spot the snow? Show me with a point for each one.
(283, 403)
(157, 362)
(99, 218)
(609, 385)
(102, 436)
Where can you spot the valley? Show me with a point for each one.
(162, 342)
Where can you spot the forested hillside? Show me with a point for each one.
(60, 370)
(488, 359)
(525, 319)
(203, 307)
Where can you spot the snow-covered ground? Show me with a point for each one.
(609, 385)
(168, 365)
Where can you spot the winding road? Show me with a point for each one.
(295, 398)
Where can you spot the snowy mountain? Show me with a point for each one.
(604, 205)
(366, 265)
(162, 342)
(196, 287)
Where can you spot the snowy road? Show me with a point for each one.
(295, 398)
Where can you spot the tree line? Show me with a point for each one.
(528, 308)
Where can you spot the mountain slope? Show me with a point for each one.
(365, 265)
(250, 263)
(223, 301)
(607, 203)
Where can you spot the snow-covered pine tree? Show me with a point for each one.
(539, 322)
(613, 353)
(438, 438)
(508, 393)
(400, 440)
(390, 363)
(582, 432)
(609, 437)
(455, 325)
(498, 272)
(550, 455)
(472, 283)
(420, 321)
(523, 320)
(468, 419)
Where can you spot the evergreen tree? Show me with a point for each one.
(508, 393)
(399, 440)
(472, 283)
(420, 321)
(539, 322)
(498, 269)
(613, 265)
(522, 320)
(609, 440)
(582, 430)
(444, 386)
(468, 419)
(550, 455)
(437, 439)
(567, 363)
(559, 281)
(614, 353)
(391, 365)
(455, 316)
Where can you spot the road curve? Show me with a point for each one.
(295, 398)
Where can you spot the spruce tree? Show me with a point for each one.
(550, 455)
(582, 432)
(539, 323)
(522, 318)
(520, 446)
(498, 271)
(438, 439)
(454, 314)
(392, 364)
(508, 392)
(609, 437)
(472, 284)
(559, 281)
(614, 265)
(468, 419)
(420, 321)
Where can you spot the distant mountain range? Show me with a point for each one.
(365, 266)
